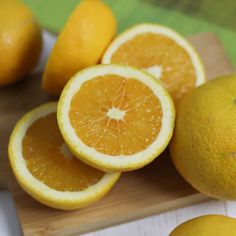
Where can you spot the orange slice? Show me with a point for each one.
(163, 53)
(115, 118)
(47, 170)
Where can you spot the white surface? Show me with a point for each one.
(48, 42)
(9, 224)
(158, 225)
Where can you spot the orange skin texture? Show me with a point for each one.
(203, 146)
(20, 41)
(81, 43)
(208, 225)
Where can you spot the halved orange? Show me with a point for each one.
(47, 170)
(81, 43)
(115, 118)
(162, 52)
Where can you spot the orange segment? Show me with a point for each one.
(116, 115)
(155, 50)
(48, 159)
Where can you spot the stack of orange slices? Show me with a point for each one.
(110, 118)
(113, 118)
(47, 170)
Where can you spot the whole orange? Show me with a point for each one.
(208, 225)
(20, 41)
(203, 147)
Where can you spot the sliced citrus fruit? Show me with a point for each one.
(81, 43)
(115, 118)
(47, 170)
(160, 51)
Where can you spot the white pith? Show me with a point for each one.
(35, 186)
(105, 160)
(156, 29)
(156, 71)
(116, 113)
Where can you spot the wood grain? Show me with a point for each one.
(151, 190)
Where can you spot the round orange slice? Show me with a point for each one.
(47, 170)
(115, 118)
(163, 53)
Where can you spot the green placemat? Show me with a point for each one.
(186, 16)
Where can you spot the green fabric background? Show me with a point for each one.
(186, 16)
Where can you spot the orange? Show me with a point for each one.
(115, 118)
(81, 43)
(208, 225)
(47, 170)
(160, 51)
(20, 41)
(203, 147)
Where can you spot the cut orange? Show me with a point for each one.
(163, 53)
(81, 43)
(47, 170)
(115, 118)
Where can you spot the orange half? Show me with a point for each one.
(115, 118)
(46, 168)
(161, 52)
(81, 43)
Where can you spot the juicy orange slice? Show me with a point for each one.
(47, 170)
(115, 118)
(161, 52)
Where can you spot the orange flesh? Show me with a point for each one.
(132, 133)
(148, 50)
(48, 159)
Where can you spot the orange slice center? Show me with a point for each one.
(116, 115)
(162, 57)
(50, 161)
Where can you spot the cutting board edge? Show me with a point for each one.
(137, 215)
(150, 211)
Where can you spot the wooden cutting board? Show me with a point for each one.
(151, 190)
